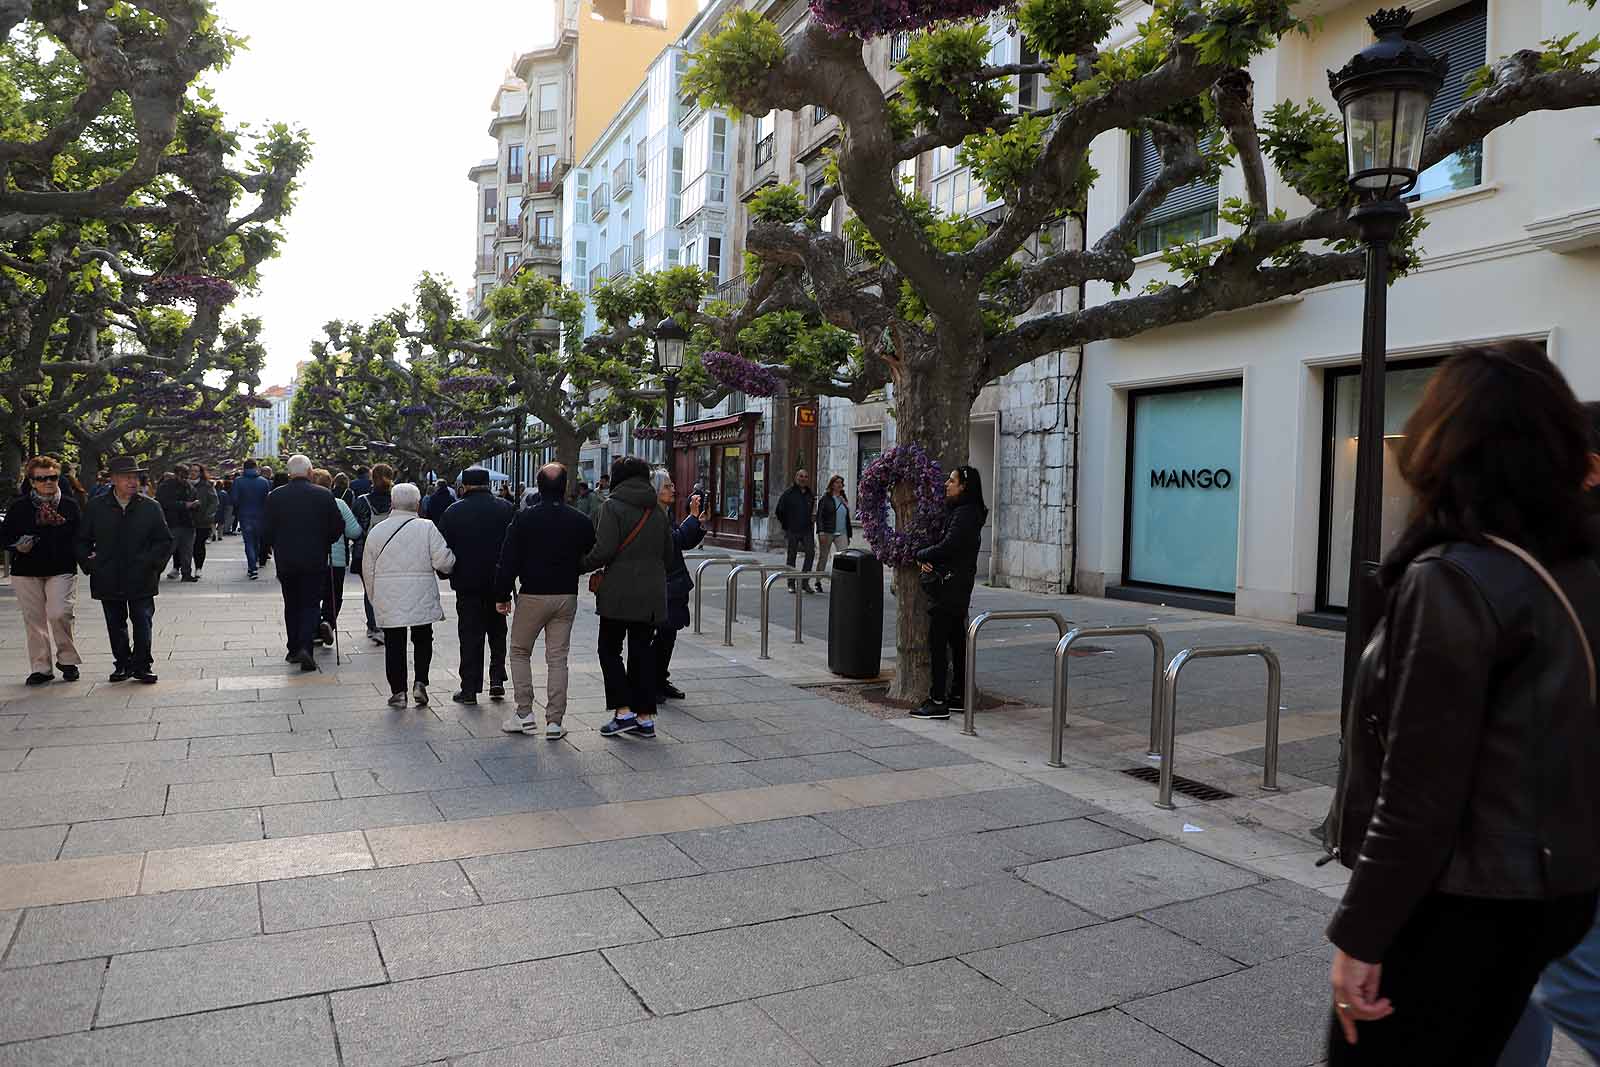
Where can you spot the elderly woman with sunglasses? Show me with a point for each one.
(39, 530)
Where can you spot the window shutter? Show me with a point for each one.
(1462, 34)
(1196, 196)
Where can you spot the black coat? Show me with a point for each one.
(686, 537)
(434, 506)
(53, 553)
(370, 509)
(1471, 744)
(302, 523)
(475, 527)
(123, 550)
(827, 516)
(794, 511)
(635, 588)
(543, 550)
(175, 495)
(955, 555)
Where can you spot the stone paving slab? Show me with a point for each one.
(134, 924)
(927, 866)
(359, 896)
(1002, 911)
(54, 999)
(677, 782)
(523, 875)
(217, 769)
(885, 1019)
(422, 778)
(45, 783)
(1123, 881)
(364, 813)
(789, 769)
(1056, 840)
(34, 844)
(1254, 924)
(1098, 1040)
(754, 844)
(162, 831)
(250, 792)
(553, 761)
(82, 807)
(742, 897)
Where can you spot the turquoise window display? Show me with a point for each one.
(1183, 488)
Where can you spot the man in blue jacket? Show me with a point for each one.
(250, 505)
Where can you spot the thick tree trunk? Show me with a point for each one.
(569, 445)
(931, 405)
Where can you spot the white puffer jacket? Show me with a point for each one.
(401, 568)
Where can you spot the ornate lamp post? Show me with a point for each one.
(1385, 92)
(671, 339)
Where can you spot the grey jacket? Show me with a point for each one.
(635, 588)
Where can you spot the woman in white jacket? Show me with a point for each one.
(405, 556)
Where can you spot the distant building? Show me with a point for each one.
(271, 421)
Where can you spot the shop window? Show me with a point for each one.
(1182, 517)
(758, 485)
(731, 506)
(869, 446)
(1189, 212)
(1462, 34)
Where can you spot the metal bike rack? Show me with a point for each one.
(971, 694)
(1269, 770)
(799, 603)
(731, 604)
(1059, 696)
(699, 584)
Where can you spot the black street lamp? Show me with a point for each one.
(671, 338)
(1385, 92)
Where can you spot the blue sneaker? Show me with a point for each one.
(623, 726)
(647, 727)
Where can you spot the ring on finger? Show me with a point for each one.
(1341, 1006)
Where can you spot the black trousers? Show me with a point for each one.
(333, 596)
(1459, 974)
(302, 604)
(477, 621)
(202, 534)
(666, 640)
(140, 612)
(394, 654)
(632, 686)
(801, 543)
(947, 644)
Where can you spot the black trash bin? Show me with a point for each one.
(855, 615)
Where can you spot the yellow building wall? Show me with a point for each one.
(613, 56)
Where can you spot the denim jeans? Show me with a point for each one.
(1568, 995)
(250, 530)
(141, 613)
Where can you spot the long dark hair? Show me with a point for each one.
(1498, 445)
(628, 467)
(972, 490)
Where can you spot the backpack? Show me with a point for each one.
(374, 516)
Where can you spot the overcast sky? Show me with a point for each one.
(396, 97)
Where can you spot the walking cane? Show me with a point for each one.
(334, 592)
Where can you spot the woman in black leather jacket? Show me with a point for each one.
(1469, 803)
(950, 569)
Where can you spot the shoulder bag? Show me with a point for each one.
(1572, 613)
(379, 554)
(598, 577)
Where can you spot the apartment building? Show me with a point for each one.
(271, 421)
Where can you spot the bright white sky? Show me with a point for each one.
(396, 96)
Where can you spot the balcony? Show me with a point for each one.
(733, 292)
(622, 262)
(509, 228)
(764, 151)
(639, 166)
(599, 202)
(622, 179)
(514, 177)
(543, 249)
(547, 120)
(597, 276)
(547, 182)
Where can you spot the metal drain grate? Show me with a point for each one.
(1187, 786)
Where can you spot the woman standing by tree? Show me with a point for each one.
(39, 530)
(949, 571)
(833, 522)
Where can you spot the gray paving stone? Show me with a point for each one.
(502, 747)
(573, 868)
(544, 795)
(1254, 924)
(35, 844)
(134, 924)
(927, 866)
(439, 942)
(88, 755)
(475, 1011)
(377, 781)
(362, 813)
(259, 744)
(741, 897)
(46, 783)
(893, 824)
(290, 1033)
(225, 974)
(1029, 804)
(736, 1035)
(869, 734)
(57, 998)
(643, 757)
(59, 808)
(552, 761)
(89, 716)
(1001, 911)
(1125, 881)
(915, 756)
(358, 896)
(8, 925)
(1053, 840)
(787, 770)
(162, 831)
(702, 970)
(215, 710)
(382, 732)
(1126, 826)
(885, 1019)
(1098, 1040)
(1268, 1015)
(803, 743)
(83, 733)
(219, 769)
(1098, 967)
(676, 782)
(683, 728)
(723, 848)
(223, 726)
(250, 792)
(344, 759)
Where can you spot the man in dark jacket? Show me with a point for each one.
(179, 502)
(302, 523)
(361, 485)
(475, 527)
(434, 507)
(250, 507)
(543, 553)
(795, 509)
(123, 542)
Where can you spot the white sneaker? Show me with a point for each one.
(520, 724)
(419, 695)
(554, 731)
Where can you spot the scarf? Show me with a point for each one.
(46, 510)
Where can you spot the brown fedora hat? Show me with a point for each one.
(124, 465)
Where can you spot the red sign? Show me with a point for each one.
(805, 415)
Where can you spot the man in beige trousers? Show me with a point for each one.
(542, 553)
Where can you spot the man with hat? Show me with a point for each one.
(123, 543)
(475, 527)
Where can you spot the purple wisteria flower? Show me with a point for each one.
(908, 465)
(736, 372)
(194, 288)
(416, 409)
(471, 383)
